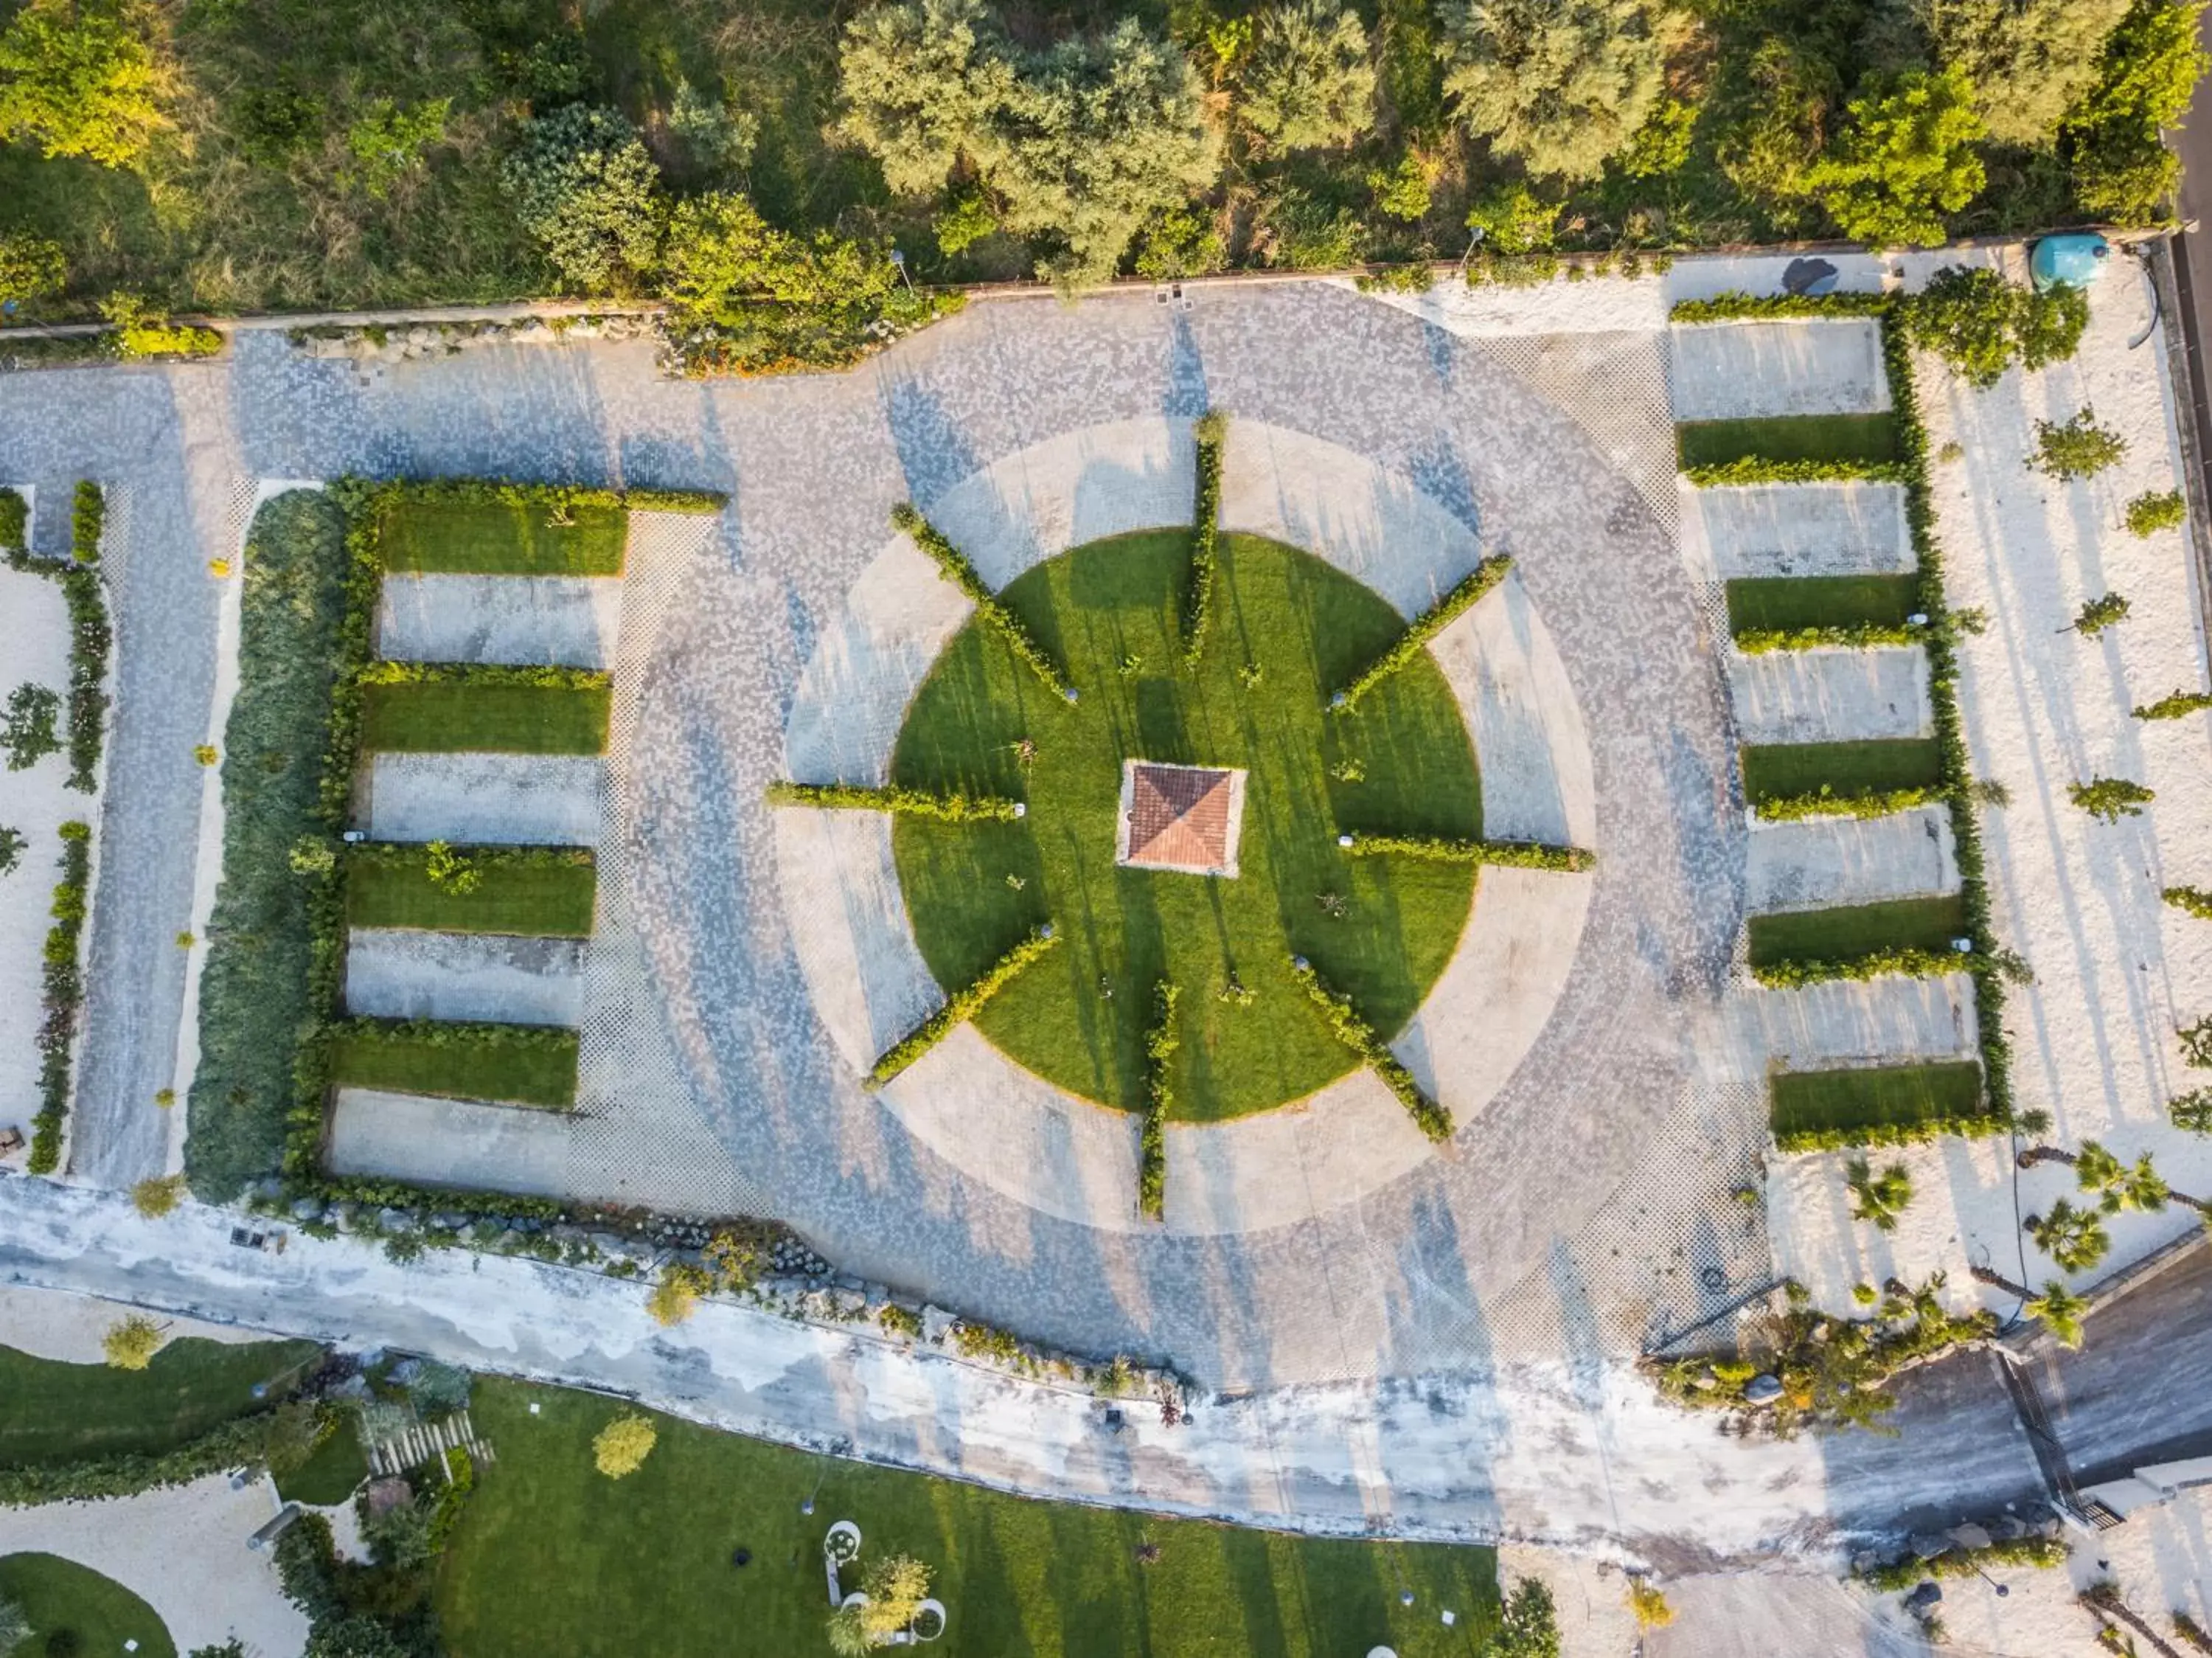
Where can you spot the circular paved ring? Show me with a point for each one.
(1036, 1143)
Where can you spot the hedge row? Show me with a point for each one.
(2042, 1552)
(1212, 430)
(552, 498)
(964, 1005)
(241, 1442)
(1876, 964)
(1737, 307)
(502, 675)
(92, 639)
(1762, 469)
(413, 855)
(1941, 646)
(1918, 1132)
(901, 802)
(15, 525)
(1509, 853)
(1875, 803)
(1855, 636)
(958, 570)
(1425, 627)
(1160, 1044)
(2178, 705)
(1355, 1033)
(60, 997)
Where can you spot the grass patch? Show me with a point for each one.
(1778, 771)
(551, 1557)
(1855, 929)
(58, 1413)
(549, 895)
(420, 538)
(520, 1065)
(1786, 604)
(1885, 1096)
(58, 1594)
(332, 1475)
(1379, 929)
(434, 716)
(255, 999)
(1788, 437)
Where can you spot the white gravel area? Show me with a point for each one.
(49, 1325)
(183, 1551)
(397, 973)
(1830, 861)
(1831, 695)
(1704, 276)
(1758, 370)
(1885, 1021)
(434, 1142)
(1798, 529)
(1597, 305)
(504, 799)
(36, 802)
(571, 621)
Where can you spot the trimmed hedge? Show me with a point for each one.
(1509, 853)
(241, 1442)
(962, 1006)
(1425, 627)
(15, 525)
(1738, 307)
(1160, 1044)
(953, 565)
(1355, 1033)
(1879, 803)
(2175, 705)
(1795, 974)
(92, 639)
(900, 802)
(2041, 1552)
(502, 675)
(551, 497)
(1924, 1132)
(1761, 469)
(1211, 431)
(60, 997)
(1857, 635)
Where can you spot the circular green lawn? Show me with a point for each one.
(56, 1595)
(1378, 929)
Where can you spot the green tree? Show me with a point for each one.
(2074, 1238)
(2028, 61)
(1308, 83)
(2117, 1185)
(1981, 325)
(716, 137)
(2155, 511)
(387, 143)
(2150, 63)
(12, 843)
(2099, 614)
(30, 267)
(2075, 448)
(620, 1448)
(585, 189)
(361, 1637)
(132, 1342)
(923, 83)
(2060, 1311)
(1775, 125)
(1513, 219)
(1527, 1624)
(2110, 799)
(1878, 1198)
(1404, 191)
(78, 80)
(1557, 85)
(1908, 157)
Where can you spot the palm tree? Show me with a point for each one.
(2117, 1185)
(2060, 1311)
(1880, 1198)
(2074, 1238)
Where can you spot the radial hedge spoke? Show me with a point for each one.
(1409, 645)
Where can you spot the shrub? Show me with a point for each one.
(956, 569)
(2099, 614)
(900, 802)
(1404, 191)
(1878, 964)
(1764, 469)
(1737, 307)
(78, 80)
(62, 997)
(1308, 83)
(1981, 325)
(1355, 1033)
(2195, 900)
(1556, 87)
(241, 1442)
(12, 843)
(15, 528)
(1160, 1044)
(1857, 635)
(131, 1343)
(1908, 156)
(1518, 855)
(1920, 1132)
(2175, 705)
(1513, 219)
(31, 268)
(30, 726)
(675, 1297)
(1648, 1604)
(158, 1195)
(2078, 448)
(896, 1320)
(141, 332)
(2041, 1552)
(1299, 232)
(1211, 433)
(1434, 620)
(585, 188)
(962, 1006)
(620, 1448)
(2110, 799)
(2155, 511)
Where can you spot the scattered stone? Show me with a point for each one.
(935, 1323)
(446, 1221)
(1762, 1390)
(308, 1209)
(1924, 1597)
(1970, 1536)
(398, 1221)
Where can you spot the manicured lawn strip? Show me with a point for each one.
(491, 538)
(454, 717)
(513, 1064)
(552, 1557)
(548, 896)
(1885, 1097)
(58, 1594)
(1307, 629)
(1855, 929)
(1788, 437)
(52, 1413)
(329, 1476)
(1774, 770)
(1788, 603)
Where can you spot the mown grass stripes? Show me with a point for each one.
(1785, 770)
(1846, 931)
(459, 715)
(1878, 1105)
(548, 891)
(1827, 437)
(509, 1064)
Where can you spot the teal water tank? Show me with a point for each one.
(2074, 260)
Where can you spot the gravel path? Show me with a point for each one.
(394, 973)
(1759, 370)
(532, 619)
(497, 800)
(1828, 861)
(1798, 529)
(1831, 695)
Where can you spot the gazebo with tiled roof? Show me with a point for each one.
(1182, 818)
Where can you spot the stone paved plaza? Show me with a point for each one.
(1586, 1201)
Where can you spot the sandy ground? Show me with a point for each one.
(34, 650)
(183, 1551)
(568, 620)
(1798, 529)
(497, 799)
(70, 1328)
(1746, 370)
(397, 974)
(1829, 696)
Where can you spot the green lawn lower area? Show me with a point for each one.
(1788, 437)
(1787, 604)
(548, 894)
(58, 1594)
(1285, 630)
(332, 1474)
(449, 717)
(513, 1064)
(1855, 929)
(1814, 1101)
(1778, 771)
(421, 538)
(52, 1413)
(551, 1556)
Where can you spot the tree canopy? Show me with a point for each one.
(2028, 61)
(1558, 85)
(1908, 157)
(585, 188)
(2150, 64)
(1308, 83)
(78, 80)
